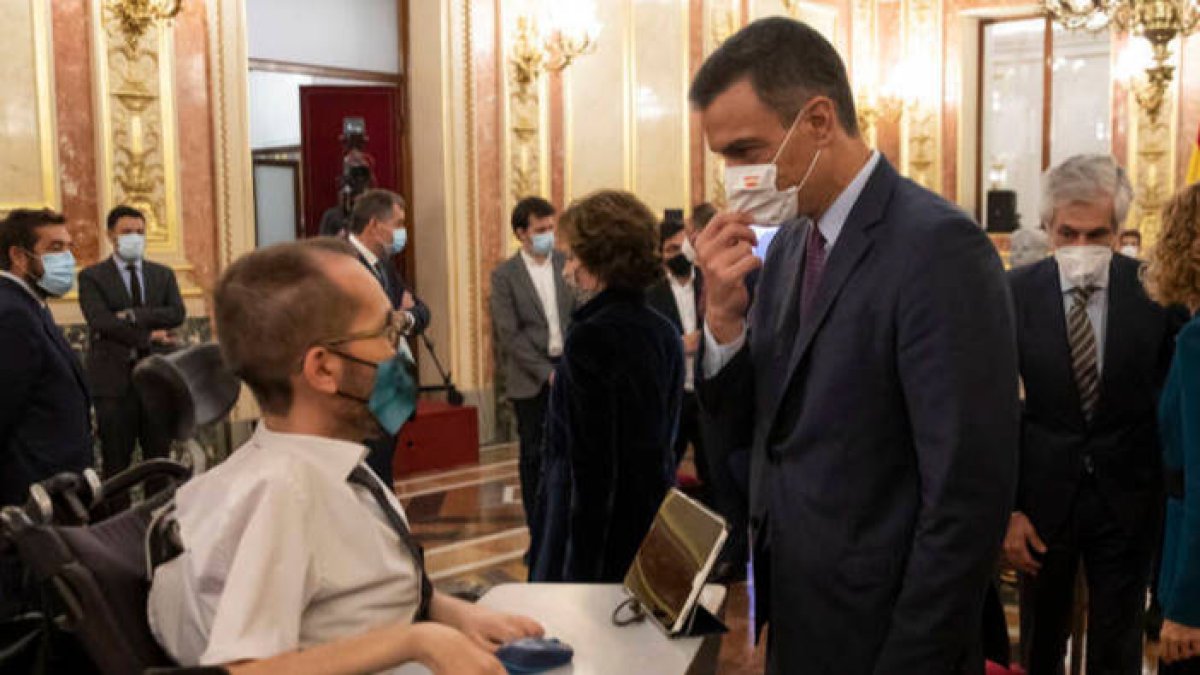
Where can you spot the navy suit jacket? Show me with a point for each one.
(45, 412)
(883, 435)
(115, 344)
(1121, 441)
(396, 288)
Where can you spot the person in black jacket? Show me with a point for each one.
(1094, 352)
(131, 305)
(614, 404)
(45, 425)
(378, 234)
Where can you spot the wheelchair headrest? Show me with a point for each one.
(188, 389)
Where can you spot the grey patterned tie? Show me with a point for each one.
(1082, 338)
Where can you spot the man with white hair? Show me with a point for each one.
(1093, 354)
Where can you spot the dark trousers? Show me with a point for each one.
(1116, 568)
(1189, 667)
(690, 433)
(124, 422)
(380, 454)
(531, 426)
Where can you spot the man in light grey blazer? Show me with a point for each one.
(531, 307)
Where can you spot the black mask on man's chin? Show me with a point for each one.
(680, 266)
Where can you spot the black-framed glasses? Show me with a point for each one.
(394, 328)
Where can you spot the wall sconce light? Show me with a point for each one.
(567, 31)
(137, 16)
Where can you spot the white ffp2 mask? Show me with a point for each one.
(752, 188)
(1083, 265)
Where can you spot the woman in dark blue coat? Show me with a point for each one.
(614, 400)
(1174, 278)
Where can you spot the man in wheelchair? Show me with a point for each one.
(296, 557)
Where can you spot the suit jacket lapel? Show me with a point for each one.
(848, 251)
(1117, 318)
(64, 348)
(117, 283)
(1049, 291)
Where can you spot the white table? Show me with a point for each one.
(581, 616)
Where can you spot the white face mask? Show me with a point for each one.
(1083, 265)
(752, 188)
(1130, 250)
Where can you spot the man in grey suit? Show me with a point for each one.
(869, 363)
(531, 308)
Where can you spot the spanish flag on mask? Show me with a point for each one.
(1193, 174)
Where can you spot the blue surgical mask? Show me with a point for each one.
(399, 239)
(542, 243)
(394, 396)
(131, 247)
(58, 273)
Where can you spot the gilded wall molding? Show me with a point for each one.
(1151, 164)
(138, 138)
(920, 146)
(228, 67)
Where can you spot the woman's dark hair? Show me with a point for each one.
(530, 206)
(787, 63)
(615, 237)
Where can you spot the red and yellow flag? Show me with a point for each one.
(1193, 174)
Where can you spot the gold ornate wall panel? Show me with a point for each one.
(234, 185)
(722, 18)
(29, 144)
(138, 130)
(921, 130)
(1151, 163)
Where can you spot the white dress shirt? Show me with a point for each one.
(542, 274)
(1097, 310)
(281, 553)
(123, 268)
(364, 251)
(685, 301)
(830, 225)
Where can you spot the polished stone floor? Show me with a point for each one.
(472, 525)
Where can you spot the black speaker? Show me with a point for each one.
(1001, 211)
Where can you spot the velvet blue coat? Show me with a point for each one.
(611, 424)
(1179, 427)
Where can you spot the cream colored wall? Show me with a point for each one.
(625, 106)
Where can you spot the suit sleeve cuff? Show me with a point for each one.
(716, 356)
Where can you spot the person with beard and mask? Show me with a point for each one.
(45, 418)
(131, 304)
(868, 363)
(295, 554)
(1094, 352)
(614, 405)
(531, 308)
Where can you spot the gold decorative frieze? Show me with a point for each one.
(138, 141)
(1151, 164)
(920, 146)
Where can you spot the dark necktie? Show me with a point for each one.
(363, 477)
(135, 286)
(814, 269)
(1082, 339)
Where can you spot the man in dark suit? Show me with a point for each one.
(1094, 352)
(531, 307)
(378, 234)
(130, 304)
(873, 376)
(45, 411)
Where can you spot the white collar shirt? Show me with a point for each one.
(685, 301)
(542, 274)
(1097, 309)
(364, 251)
(281, 553)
